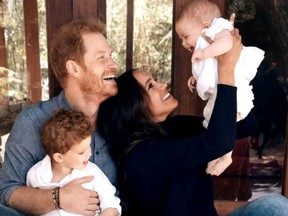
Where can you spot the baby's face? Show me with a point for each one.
(188, 31)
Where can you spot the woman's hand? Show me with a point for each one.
(228, 61)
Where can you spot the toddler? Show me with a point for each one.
(66, 138)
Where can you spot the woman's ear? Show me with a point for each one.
(71, 67)
(206, 24)
(58, 157)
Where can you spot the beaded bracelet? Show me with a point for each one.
(56, 197)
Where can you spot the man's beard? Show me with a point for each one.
(90, 86)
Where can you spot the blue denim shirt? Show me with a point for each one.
(24, 148)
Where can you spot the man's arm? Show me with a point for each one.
(39, 201)
(32, 201)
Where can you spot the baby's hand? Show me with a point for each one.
(191, 83)
(197, 56)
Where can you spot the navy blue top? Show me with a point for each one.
(166, 175)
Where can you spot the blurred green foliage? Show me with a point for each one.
(152, 38)
(13, 23)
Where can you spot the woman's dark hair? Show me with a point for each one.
(124, 119)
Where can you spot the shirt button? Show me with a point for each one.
(97, 152)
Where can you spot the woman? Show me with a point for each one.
(163, 159)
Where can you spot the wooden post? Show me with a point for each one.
(58, 14)
(3, 53)
(129, 34)
(32, 50)
(181, 71)
(89, 8)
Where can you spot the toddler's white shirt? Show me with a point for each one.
(40, 176)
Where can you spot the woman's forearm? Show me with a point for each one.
(221, 132)
(228, 61)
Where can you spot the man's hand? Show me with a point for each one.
(76, 199)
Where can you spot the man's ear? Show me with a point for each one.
(58, 157)
(71, 67)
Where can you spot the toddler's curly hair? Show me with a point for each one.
(63, 130)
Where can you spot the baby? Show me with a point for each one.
(204, 33)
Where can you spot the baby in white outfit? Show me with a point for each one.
(203, 32)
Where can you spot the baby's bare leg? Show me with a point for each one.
(218, 166)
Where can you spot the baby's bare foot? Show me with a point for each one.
(220, 166)
(210, 165)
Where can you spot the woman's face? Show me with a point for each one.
(160, 102)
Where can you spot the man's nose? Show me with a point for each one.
(112, 64)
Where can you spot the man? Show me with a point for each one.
(81, 60)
